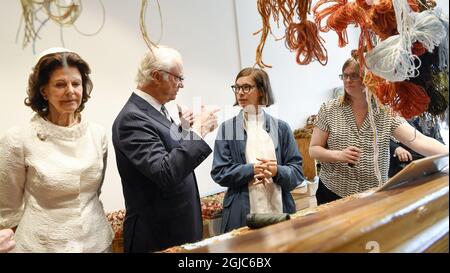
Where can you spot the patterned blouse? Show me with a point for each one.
(340, 123)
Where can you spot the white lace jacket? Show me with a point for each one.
(50, 181)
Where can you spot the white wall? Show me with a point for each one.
(213, 46)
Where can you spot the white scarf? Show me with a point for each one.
(264, 198)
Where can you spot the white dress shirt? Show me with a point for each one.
(153, 102)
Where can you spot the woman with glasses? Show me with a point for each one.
(255, 155)
(343, 140)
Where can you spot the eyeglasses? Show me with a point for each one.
(352, 77)
(178, 78)
(245, 88)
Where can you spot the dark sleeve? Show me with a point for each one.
(141, 143)
(226, 171)
(290, 173)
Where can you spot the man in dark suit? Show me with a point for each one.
(156, 158)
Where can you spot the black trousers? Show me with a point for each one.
(324, 195)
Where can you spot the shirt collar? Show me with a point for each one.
(148, 98)
(240, 120)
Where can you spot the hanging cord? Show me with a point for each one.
(304, 38)
(376, 150)
(37, 32)
(29, 15)
(61, 32)
(443, 47)
(150, 43)
(339, 16)
(63, 13)
(301, 35)
(264, 10)
(67, 14)
(404, 22)
(391, 60)
(428, 30)
(61, 36)
(101, 25)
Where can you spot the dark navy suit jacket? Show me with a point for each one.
(231, 170)
(156, 161)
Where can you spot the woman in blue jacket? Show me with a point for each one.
(255, 155)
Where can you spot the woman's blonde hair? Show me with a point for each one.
(353, 60)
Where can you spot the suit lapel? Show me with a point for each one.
(240, 136)
(150, 110)
(271, 127)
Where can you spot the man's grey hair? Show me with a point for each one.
(160, 58)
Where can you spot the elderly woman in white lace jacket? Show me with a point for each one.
(52, 169)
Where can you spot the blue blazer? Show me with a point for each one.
(231, 170)
(157, 170)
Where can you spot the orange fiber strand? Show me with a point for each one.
(405, 98)
(383, 90)
(364, 45)
(264, 10)
(301, 36)
(339, 16)
(303, 7)
(411, 100)
(319, 15)
(383, 24)
(413, 5)
(304, 38)
(363, 4)
(418, 49)
(382, 18)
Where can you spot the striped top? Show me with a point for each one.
(340, 124)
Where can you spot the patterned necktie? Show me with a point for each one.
(165, 113)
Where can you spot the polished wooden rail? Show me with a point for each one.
(414, 218)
